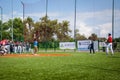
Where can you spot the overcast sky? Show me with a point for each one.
(92, 16)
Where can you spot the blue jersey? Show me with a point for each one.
(35, 43)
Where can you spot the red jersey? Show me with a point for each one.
(109, 40)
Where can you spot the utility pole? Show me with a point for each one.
(1, 21)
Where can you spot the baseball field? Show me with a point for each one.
(60, 66)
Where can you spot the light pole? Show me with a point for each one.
(1, 21)
(46, 7)
(23, 9)
(113, 19)
(75, 21)
(46, 25)
(12, 20)
(75, 24)
(23, 15)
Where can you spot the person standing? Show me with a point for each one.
(91, 47)
(35, 46)
(109, 44)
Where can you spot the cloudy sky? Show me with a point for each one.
(92, 16)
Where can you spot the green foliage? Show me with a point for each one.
(44, 30)
(49, 45)
(117, 39)
(116, 46)
(6, 30)
(93, 37)
(17, 29)
(49, 28)
(79, 36)
(77, 66)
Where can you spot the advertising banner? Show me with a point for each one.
(67, 45)
(95, 45)
(83, 45)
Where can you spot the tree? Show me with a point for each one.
(6, 31)
(63, 31)
(47, 30)
(93, 37)
(44, 30)
(117, 39)
(79, 36)
(102, 39)
(28, 29)
(17, 29)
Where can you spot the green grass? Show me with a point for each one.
(77, 66)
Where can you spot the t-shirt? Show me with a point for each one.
(35, 43)
(109, 39)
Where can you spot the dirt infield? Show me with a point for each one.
(33, 55)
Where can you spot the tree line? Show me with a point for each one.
(44, 30)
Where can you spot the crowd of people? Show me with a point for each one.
(8, 47)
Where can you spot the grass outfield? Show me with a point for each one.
(77, 66)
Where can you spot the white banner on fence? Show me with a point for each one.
(67, 45)
(83, 45)
(95, 45)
